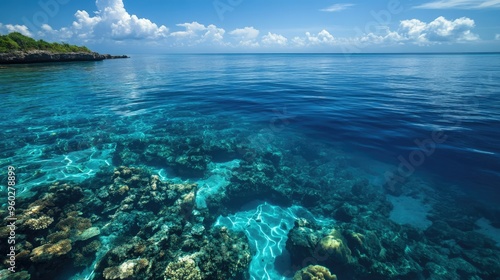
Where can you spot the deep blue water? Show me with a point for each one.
(426, 120)
(373, 105)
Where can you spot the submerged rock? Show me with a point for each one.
(88, 233)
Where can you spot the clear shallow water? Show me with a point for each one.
(341, 118)
(374, 105)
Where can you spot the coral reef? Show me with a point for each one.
(131, 223)
(327, 246)
(130, 269)
(148, 222)
(40, 223)
(48, 252)
(21, 275)
(314, 272)
(158, 221)
(183, 269)
(334, 245)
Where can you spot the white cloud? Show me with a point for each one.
(8, 28)
(439, 30)
(337, 8)
(390, 38)
(61, 34)
(192, 29)
(414, 31)
(111, 20)
(497, 36)
(196, 33)
(247, 36)
(214, 34)
(274, 39)
(323, 37)
(112, 14)
(460, 4)
(299, 42)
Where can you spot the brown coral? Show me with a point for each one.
(92, 247)
(182, 187)
(49, 251)
(58, 236)
(39, 223)
(335, 246)
(183, 269)
(314, 272)
(123, 190)
(126, 270)
(78, 223)
(154, 180)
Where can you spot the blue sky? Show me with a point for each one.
(161, 26)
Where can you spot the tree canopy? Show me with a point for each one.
(16, 41)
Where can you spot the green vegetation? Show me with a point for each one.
(16, 41)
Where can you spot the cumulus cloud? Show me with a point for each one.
(460, 4)
(391, 37)
(274, 39)
(192, 30)
(412, 31)
(196, 33)
(299, 41)
(247, 36)
(323, 37)
(497, 37)
(439, 30)
(61, 34)
(111, 20)
(8, 28)
(337, 8)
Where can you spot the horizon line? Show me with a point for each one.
(309, 53)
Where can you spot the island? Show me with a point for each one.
(15, 48)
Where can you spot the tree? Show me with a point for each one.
(25, 42)
(7, 44)
(16, 41)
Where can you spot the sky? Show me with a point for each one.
(194, 26)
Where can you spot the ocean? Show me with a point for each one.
(389, 164)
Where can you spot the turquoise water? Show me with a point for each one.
(287, 130)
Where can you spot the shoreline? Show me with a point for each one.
(37, 56)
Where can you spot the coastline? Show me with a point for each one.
(37, 56)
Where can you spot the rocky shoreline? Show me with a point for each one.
(46, 56)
